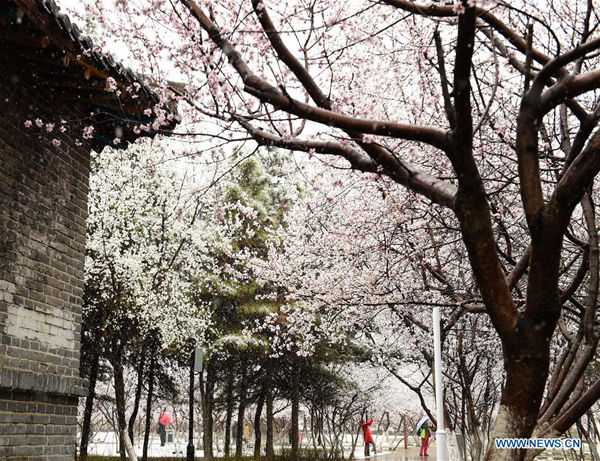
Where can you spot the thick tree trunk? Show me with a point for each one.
(269, 401)
(228, 413)
(243, 389)
(526, 368)
(138, 393)
(295, 407)
(89, 406)
(149, 407)
(120, 401)
(257, 431)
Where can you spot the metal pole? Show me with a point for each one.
(440, 433)
(190, 447)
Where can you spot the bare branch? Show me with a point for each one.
(444, 80)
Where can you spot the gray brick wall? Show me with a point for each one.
(43, 210)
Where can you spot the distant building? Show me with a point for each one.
(53, 88)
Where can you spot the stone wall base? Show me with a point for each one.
(36, 426)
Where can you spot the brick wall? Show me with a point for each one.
(43, 208)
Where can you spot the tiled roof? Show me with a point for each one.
(85, 47)
(65, 61)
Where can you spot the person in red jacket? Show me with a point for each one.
(366, 427)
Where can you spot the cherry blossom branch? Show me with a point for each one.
(519, 269)
(304, 76)
(264, 91)
(444, 80)
(425, 134)
(592, 298)
(585, 129)
(356, 159)
(576, 180)
(572, 104)
(288, 58)
(435, 189)
(557, 64)
(528, 124)
(568, 88)
(514, 37)
(577, 279)
(575, 411)
(472, 207)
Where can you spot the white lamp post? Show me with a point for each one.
(440, 433)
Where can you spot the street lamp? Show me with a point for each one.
(440, 433)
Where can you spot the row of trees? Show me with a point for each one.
(169, 268)
(290, 290)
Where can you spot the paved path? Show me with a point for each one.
(179, 449)
(401, 454)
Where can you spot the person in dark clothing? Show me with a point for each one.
(163, 421)
(162, 431)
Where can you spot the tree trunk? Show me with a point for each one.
(89, 406)
(207, 410)
(149, 406)
(269, 401)
(229, 413)
(239, 438)
(594, 434)
(129, 447)
(295, 407)
(138, 393)
(120, 401)
(257, 432)
(526, 368)
(588, 439)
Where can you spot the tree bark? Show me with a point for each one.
(207, 410)
(89, 406)
(257, 431)
(149, 406)
(228, 413)
(526, 365)
(269, 402)
(243, 389)
(129, 447)
(138, 393)
(295, 407)
(120, 401)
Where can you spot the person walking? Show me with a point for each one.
(368, 437)
(163, 421)
(424, 434)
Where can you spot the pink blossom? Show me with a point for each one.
(88, 132)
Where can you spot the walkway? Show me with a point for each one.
(178, 449)
(401, 454)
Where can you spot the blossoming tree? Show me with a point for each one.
(138, 293)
